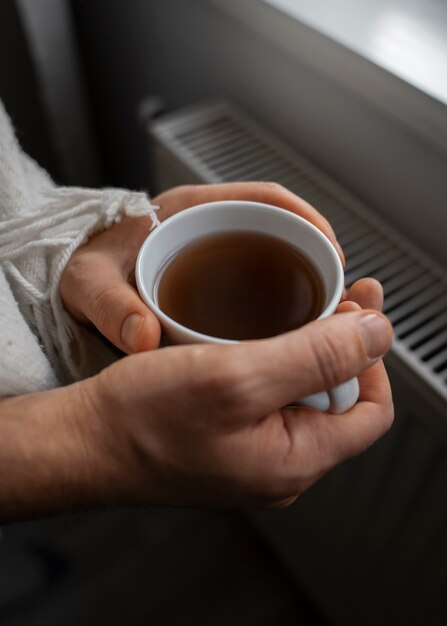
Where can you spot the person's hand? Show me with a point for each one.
(200, 425)
(203, 425)
(98, 285)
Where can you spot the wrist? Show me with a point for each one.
(52, 454)
(113, 439)
(96, 421)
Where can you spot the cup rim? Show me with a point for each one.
(195, 336)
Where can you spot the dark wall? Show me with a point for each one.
(116, 82)
(19, 89)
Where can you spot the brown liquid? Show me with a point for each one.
(239, 286)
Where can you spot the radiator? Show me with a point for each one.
(368, 542)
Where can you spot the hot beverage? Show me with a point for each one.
(239, 286)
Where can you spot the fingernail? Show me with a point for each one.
(375, 332)
(130, 330)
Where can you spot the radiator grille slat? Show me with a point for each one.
(205, 128)
(439, 361)
(433, 345)
(406, 294)
(418, 302)
(421, 326)
(393, 264)
(366, 254)
(230, 150)
(365, 239)
(401, 279)
(370, 267)
(219, 143)
(207, 143)
(343, 223)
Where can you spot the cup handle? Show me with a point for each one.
(337, 400)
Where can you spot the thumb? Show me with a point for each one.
(120, 315)
(111, 304)
(318, 356)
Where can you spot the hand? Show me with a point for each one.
(98, 286)
(199, 425)
(203, 425)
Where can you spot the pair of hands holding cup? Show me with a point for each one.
(202, 425)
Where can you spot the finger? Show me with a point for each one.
(347, 306)
(374, 385)
(368, 293)
(267, 192)
(275, 505)
(106, 299)
(273, 373)
(273, 193)
(326, 440)
(319, 441)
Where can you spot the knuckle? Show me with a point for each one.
(273, 187)
(73, 283)
(201, 361)
(76, 267)
(330, 358)
(183, 192)
(101, 306)
(223, 375)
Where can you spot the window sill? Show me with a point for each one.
(375, 57)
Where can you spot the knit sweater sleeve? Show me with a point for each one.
(41, 225)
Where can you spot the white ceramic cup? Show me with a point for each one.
(212, 218)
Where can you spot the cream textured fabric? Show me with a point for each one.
(41, 225)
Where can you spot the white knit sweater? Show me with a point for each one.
(41, 225)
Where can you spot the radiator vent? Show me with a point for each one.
(216, 142)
